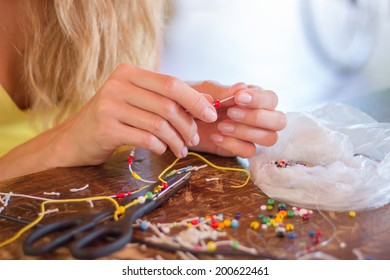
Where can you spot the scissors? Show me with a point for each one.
(89, 228)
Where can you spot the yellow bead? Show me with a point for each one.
(255, 225)
(189, 225)
(272, 222)
(278, 218)
(289, 227)
(270, 207)
(211, 246)
(352, 214)
(227, 223)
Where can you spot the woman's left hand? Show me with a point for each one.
(249, 118)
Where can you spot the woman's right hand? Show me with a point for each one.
(134, 107)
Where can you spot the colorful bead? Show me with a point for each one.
(266, 220)
(270, 207)
(217, 103)
(220, 217)
(130, 160)
(149, 195)
(211, 246)
(235, 244)
(234, 223)
(263, 207)
(237, 215)
(305, 217)
(290, 213)
(136, 176)
(214, 224)
(283, 213)
(255, 225)
(221, 225)
(352, 214)
(264, 226)
(291, 235)
(141, 199)
(312, 233)
(227, 223)
(282, 204)
(195, 222)
(144, 225)
(260, 216)
(164, 185)
(270, 201)
(289, 227)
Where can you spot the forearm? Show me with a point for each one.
(38, 154)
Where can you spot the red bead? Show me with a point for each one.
(120, 195)
(164, 185)
(130, 160)
(305, 217)
(214, 224)
(195, 222)
(217, 103)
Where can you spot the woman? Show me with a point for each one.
(77, 83)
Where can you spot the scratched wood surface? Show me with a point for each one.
(366, 235)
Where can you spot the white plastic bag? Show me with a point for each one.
(350, 154)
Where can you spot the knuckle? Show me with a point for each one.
(159, 125)
(170, 108)
(172, 84)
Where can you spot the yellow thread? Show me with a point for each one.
(119, 212)
(136, 176)
(40, 217)
(212, 165)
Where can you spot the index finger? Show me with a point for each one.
(172, 88)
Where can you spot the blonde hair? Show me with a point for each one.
(74, 45)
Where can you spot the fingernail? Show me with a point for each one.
(195, 140)
(235, 113)
(210, 114)
(244, 98)
(216, 137)
(226, 127)
(183, 153)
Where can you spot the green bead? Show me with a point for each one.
(282, 205)
(290, 213)
(266, 220)
(149, 195)
(261, 216)
(270, 201)
(235, 244)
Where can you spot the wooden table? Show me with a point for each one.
(364, 236)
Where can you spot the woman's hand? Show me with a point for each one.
(248, 119)
(135, 107)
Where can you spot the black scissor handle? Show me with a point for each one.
(114, 236)
(67, 228)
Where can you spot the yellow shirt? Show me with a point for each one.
(15, 128)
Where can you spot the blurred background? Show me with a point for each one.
(307, 51)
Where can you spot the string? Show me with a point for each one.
(41, 216)
(212, 165)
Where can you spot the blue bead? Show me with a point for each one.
(234, 223)
(312, 233)
(144, 225)
(291, 235)
(237, 215)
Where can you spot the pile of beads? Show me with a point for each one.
(286, 163)
(278, 220)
